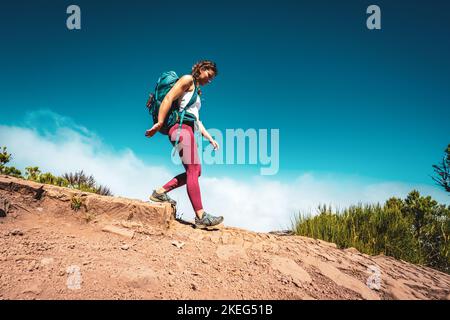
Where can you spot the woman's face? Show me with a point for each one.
(206, 76)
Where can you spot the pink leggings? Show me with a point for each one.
(189, 157)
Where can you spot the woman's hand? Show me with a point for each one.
(151, 132)
(215, 144)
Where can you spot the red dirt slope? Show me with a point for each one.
(117, 248)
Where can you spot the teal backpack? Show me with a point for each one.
(165, 82)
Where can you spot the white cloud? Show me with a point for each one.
(259, 203)
(71, 148)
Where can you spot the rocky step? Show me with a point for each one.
(22, 194)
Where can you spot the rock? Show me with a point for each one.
(178, 244)
(4, 207)
(119, 231)
(16, 232)
(352, 250)
(46, 261)
(34, 289)
(194, 286)
(282, 233)
(290, 269)
(71, 246)
(32, 265)
(140, 277)
(125, 247)
(21, 258)
(226, 252)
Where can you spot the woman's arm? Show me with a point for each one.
(182, 85)
(206, 134)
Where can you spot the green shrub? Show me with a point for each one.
(415, 229)
(32, 173)
(76, 203)
(5, 157)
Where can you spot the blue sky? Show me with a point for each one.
(349, 102)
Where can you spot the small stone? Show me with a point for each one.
(352, 250)
(46, 261)
(125, 247)
(71, 246)
(194, 286)
(85, 263)
(32, 265)
(32, 289)
(178, 244)
(119, 231)
(16, 232)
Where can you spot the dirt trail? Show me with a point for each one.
(117, 248)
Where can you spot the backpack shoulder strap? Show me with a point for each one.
(193, 98)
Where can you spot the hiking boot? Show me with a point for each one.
(162, 197)
(207, 221)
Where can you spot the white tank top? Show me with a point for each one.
(193, 108)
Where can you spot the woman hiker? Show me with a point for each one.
(202, 73)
